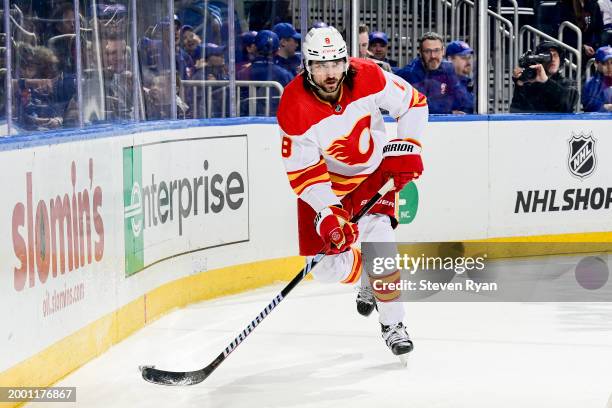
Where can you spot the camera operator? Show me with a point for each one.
(539, 85)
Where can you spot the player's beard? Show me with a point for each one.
(330, 82)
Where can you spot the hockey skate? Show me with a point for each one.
(366, 302)
(397, 340)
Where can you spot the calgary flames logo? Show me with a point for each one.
(352, 149)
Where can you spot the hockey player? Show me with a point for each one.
(337, 154)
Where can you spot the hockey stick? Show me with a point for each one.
(156, 376)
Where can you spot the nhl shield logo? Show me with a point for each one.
(581, 159)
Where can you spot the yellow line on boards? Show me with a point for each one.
(61, 358)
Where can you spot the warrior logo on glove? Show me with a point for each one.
(402, 161)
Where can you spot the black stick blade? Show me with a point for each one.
(175, 378)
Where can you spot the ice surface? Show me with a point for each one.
(314, 350)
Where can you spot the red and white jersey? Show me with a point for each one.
(328, 150)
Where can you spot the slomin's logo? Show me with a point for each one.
(581, 158)
(352, 148)
(58, 235)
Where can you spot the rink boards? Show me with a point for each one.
(108, 229)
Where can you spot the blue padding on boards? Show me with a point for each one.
(122, 129)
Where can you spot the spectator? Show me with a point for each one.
(193, 12)
(192, 45)
(597, 94)
(549, 91)
(379, 48)
(63, 20)
(156, 53)
(36, 99)
(606, 11)
(248, 49)
(263, 69)
(586, 14)
(364, 41)
(158, 99)
(177, 30)
(117, 80)
(185, 65)
(214, 67)
(459, 53)
(287, 56)
(62, 38)
(436, 78)
(183, 31)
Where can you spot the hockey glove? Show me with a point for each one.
(402, 161)
(333, 226)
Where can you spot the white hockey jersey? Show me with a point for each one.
(329, 150)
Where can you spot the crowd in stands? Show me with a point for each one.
(267, 49)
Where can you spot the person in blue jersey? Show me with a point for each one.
(263, 68)
(155, 51)
(289, 40)
(436, 78)
(246, 51)
(597, 93)
(192, 45)
(215, 67)
(459, 53)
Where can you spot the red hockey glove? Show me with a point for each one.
(402, 161)
(333, 226)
